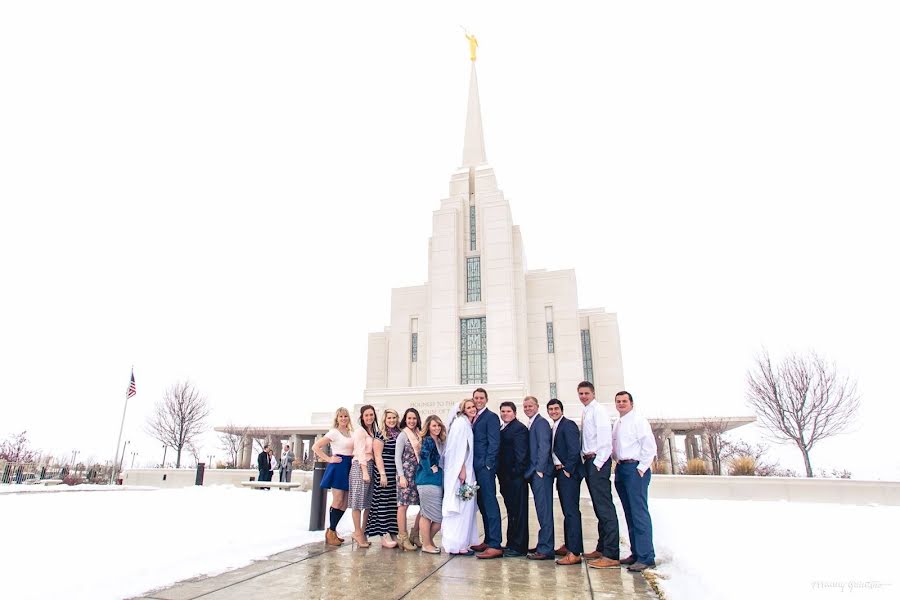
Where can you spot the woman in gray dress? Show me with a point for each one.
(430, 481)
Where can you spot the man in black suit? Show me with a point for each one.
(540, 475)
(511, 472)
(569, 472)
(264, 464)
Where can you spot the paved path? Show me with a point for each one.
(318, 571)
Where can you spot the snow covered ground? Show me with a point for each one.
(730, 550)
(126, 541)
(122, 543)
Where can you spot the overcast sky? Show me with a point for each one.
(227, 192)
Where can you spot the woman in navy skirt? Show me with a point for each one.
(337, 474)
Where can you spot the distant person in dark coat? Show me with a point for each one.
(264, 464)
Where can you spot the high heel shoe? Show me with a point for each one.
(361, 543)
(414, 538)
(387, 542)
(404, 543)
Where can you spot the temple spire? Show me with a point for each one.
(473, 146)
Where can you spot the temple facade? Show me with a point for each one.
(482, 319)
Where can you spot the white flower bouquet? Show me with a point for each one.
(467, 491)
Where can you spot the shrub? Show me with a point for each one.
(73, 480)
(743, 466)
(696, 466)
(660, 467)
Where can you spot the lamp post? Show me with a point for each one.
(74, 456)
(133, 455)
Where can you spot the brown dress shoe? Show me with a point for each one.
(603, 563)
(592, 555)
(490, 553)
(628, 561)
(561, 551)
(479, 547)
(569, 559)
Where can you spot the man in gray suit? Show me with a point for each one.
(287, 463)
(540, 474)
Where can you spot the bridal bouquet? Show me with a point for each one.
(467, 491)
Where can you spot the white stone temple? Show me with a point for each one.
(482, 319)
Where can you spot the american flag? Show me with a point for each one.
(132, 387)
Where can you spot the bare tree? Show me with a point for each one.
(232, 442)
(16, 449)
(712, 432)
(179, 417)
(802, 400)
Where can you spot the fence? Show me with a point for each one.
(31, 473)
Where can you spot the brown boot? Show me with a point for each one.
(404, 543)
(414, 537)
(331, 538)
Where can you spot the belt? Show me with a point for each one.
(628, 461)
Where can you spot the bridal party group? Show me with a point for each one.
(449, 467)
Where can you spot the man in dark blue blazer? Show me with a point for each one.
(540, 474)
(485, 448)
(569, 472)
(511, 472)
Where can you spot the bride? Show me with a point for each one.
(458, 529)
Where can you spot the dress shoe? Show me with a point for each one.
(538, 556)
(532, 550)
(625, 562)
(490, 553)
(603, 563)
(479, 547)
(592, 555)
(561, 551)
(639, 566)
(569, 559)
(510, 553)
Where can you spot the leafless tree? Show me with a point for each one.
(712, 432)
(16, 449)
(179, 417)
(801, 400)
(232, 442)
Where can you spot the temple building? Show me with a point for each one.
(482, 319)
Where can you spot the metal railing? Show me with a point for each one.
(31, 473)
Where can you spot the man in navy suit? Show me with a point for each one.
(511, 472)
(540, 474)
(485, 448)
(569, 472)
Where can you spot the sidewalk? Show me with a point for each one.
(318, 571)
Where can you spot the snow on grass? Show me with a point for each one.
(125, 542)
(730, 550)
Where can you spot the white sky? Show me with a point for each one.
(228, 191)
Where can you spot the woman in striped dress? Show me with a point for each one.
(383, 512)
(360, 496)
(406, 459)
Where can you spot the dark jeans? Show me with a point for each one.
(488, 506)
(569, 490)
(632, 490)
(600, 488)
(514, 490)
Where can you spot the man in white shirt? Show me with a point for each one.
(596, 452)
(634, 449)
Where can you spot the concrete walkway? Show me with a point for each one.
(318, 571)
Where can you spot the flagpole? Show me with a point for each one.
(115, 470)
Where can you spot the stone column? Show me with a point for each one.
(688, 448)
(246, 453)
(695, 450)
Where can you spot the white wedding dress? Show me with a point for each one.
(458, 528)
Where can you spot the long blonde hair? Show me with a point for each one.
(462, 406)
(342, 411)
(426, 431)
(384, 427)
